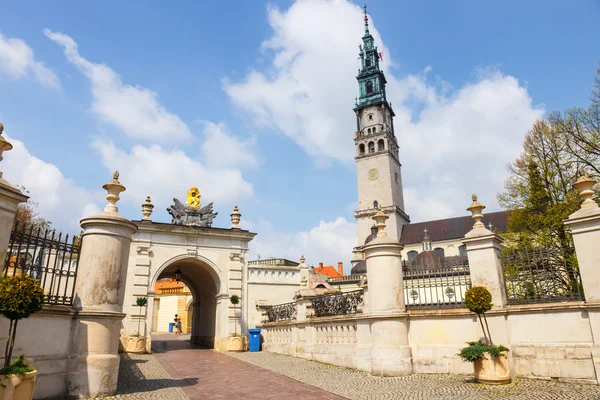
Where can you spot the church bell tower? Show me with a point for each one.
(377, 160)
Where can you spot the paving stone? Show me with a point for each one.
(356, 385)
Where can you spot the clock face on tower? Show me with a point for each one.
(373, 174)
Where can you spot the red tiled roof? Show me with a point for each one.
(450, 228)
(327, 270)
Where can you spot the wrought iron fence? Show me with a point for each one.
(282, 312)
(541, 275)
(47, 256)
(338, 303)
(441, 285)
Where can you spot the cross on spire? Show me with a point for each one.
(366, 19)
(490, 226)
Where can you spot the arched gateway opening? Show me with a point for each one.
(198, 314)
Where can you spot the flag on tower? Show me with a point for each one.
(381, 56)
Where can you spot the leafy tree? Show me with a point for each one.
(27, 215)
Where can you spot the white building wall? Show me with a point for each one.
(270, 285)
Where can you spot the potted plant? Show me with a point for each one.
(489, 361)
(136, 343)
(235, 341)
(20, 296)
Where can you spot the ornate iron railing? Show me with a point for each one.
(282, 312)
(541, 275)
(47, 256)
(338, 303)
(436, 286)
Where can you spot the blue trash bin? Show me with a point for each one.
(254, 342)
(171, 326)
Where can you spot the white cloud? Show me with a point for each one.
(133, 109)
(59, 199)
(452, 141)
(222, 149)
(163, 173)
(17, 61)
(328, 242)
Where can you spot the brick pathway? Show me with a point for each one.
(206, 374)
(357, 385)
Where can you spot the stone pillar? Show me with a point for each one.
(93, 366)
(584, 225)
(10, 198)
(390, 352)
(483, 251)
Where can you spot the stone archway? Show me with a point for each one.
(203, 279)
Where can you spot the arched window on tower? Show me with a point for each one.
(374, 129)
(462, 250)
(380, 145)
(375, 205)
(369, 131)
(371, 147)
(440, 251)
(369, 87)
(370, 117)
(361, 148)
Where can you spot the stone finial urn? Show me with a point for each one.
(147, 209)
(236, 217)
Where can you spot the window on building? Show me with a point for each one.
(412, 255)
(368, 62)
(370, 117)
(371, 147)
(369, 86)
(375, 204)
(440, 251)
(361, 148)
(374, 129)
(396, 177)
(462, 250)
(380, 145)
(369, 131)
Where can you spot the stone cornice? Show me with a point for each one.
(158, 227)
(369, 212)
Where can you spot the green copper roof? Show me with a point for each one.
(371, 80)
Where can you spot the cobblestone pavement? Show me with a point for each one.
(357, 385)
(142, 377)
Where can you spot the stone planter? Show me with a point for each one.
(136, 344)
(235, 343)
(492, 370)
(15, 387)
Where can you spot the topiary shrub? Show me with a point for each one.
(479, 300)
(20, 296)
(141, 302)
(235, 300)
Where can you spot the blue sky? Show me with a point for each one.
(252, 102)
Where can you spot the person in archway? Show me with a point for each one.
(178, 326)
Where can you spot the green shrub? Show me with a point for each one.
(20, 296)
(475, 350)
(235, 299)
(19, 367)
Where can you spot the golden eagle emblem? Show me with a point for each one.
(193, 199)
